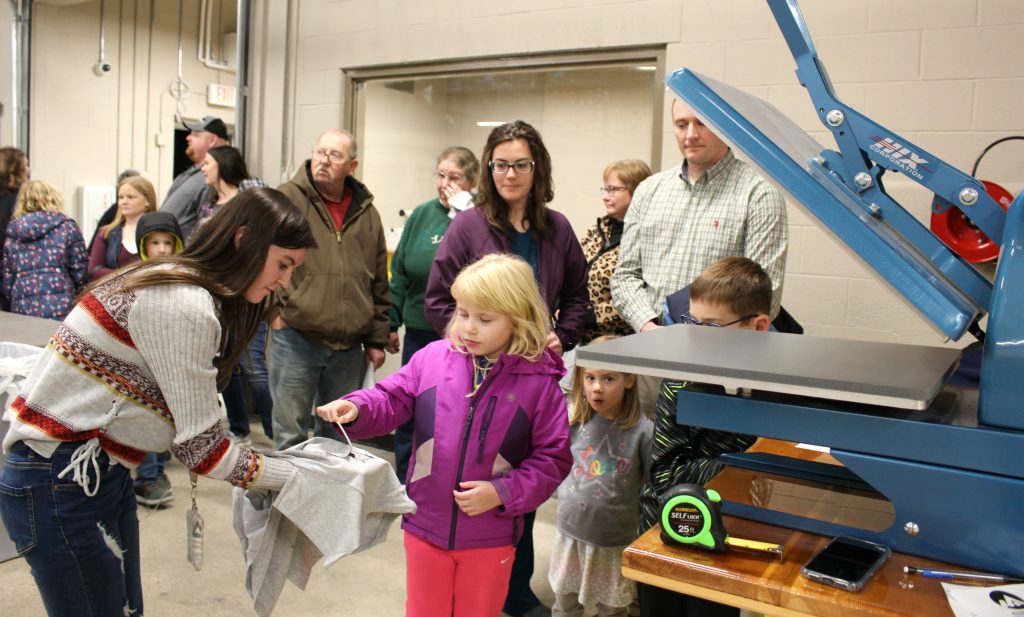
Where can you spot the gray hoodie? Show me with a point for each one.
(339, 501)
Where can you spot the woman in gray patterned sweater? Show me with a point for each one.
(134, 368)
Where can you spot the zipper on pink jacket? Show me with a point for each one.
(485, 423)
(465, 447)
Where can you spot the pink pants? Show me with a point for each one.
(470, 582)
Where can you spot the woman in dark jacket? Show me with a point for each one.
(512, 216)
(14, 171)
(44, 255)
(225, 174)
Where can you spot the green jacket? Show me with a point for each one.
(410, 265)
(339, 297)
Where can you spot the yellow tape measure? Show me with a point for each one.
(692, 516)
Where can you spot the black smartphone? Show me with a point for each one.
(846, 563)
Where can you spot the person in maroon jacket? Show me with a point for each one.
(512, 216)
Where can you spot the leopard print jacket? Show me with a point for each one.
(601, 249)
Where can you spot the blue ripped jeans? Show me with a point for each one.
(83, 551)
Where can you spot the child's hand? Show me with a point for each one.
(338, 411)
(477, 498)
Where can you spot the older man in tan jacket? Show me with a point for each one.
(332, 320)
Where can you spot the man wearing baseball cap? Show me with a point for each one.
(186, 191)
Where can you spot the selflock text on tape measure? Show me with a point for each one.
(692, 516)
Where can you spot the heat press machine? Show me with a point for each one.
(946, 458)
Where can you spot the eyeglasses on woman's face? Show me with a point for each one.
(449, 176)
(502, 167)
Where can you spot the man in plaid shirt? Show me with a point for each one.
(681, 221)
(684, 219)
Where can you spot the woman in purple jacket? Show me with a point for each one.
(114, 245)
(512, 216)
(491, 438)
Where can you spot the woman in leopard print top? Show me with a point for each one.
(601, 247)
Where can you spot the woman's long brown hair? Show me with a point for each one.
(225, 267)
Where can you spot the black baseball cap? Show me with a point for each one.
(210, 124)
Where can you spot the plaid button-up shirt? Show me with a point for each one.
(675, 228)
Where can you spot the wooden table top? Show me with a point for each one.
(762, 583)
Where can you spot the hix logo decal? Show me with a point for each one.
(901, 156)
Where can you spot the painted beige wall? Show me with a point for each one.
(944, 74)
(403, 131)
(86, 128)
(401, 144)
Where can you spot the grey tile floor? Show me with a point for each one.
(369, 583)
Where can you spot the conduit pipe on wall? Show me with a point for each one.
(243, 25)
(21, 66)
(102, 66)
(288, 125)
(178, 88)
(204, 53)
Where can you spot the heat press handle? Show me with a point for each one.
(691, 516)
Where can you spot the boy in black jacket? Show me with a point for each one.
(734, 292)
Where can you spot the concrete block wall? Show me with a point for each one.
(398, 160)
(942, 73)
(404, 130)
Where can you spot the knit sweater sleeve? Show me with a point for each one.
(176, 331)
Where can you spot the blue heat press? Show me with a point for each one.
(945, 457)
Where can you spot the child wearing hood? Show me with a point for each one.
(45, 264)
(158, 235)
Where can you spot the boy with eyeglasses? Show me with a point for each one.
(734, 292)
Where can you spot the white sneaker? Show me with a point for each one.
(240, 440)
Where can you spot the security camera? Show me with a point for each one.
(102, 68)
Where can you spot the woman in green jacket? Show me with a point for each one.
(456, 173)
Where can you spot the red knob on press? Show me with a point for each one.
(959, 233)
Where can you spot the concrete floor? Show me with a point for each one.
(369, 583)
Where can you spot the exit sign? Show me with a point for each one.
(220, 95)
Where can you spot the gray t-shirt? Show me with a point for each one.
(599, 502)
(183, 199)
